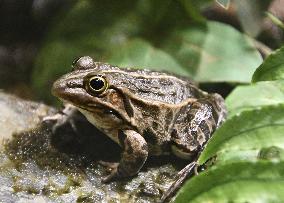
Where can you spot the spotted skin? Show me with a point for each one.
(195, 125)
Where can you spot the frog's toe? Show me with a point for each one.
(52, 118)
(112, 176)
(181, 176)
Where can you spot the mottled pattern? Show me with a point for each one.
(145, 112)
(162, 88)
(196, 123)
(155, 124)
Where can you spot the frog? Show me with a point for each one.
(146, 112)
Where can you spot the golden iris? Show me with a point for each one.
(97, 84)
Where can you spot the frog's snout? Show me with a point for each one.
(67, 88)
(58, 88)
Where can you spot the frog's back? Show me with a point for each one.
(152, 85)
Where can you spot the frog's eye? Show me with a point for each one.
(96, 84)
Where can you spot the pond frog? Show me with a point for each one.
(148, 113)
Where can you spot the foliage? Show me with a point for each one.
(248, 149)
(237, 182)
(272, 68)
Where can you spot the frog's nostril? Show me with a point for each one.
(75, 83)
(71, 84)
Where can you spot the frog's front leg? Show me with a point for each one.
(134, 155)
(66, 116)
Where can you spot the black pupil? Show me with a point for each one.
(97, 83)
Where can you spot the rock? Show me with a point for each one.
(39, 166)
(17, 115)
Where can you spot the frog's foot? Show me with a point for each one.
(112, 168)
(181, 176)
(66, 116)
(112, 176)
(134, 155)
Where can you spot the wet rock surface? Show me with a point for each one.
(39, 166)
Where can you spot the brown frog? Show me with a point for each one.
(147, 113)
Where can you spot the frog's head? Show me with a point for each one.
(89, 87)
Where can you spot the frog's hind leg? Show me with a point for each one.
(195, 125)
(192, 130)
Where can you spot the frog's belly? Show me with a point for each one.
(110, 132)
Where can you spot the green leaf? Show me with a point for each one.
(138, 53)
(272, 68)
(254, 151)
(251, 144)
(256, 95)
(249, 130)
(237, 182)
(215, 53)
